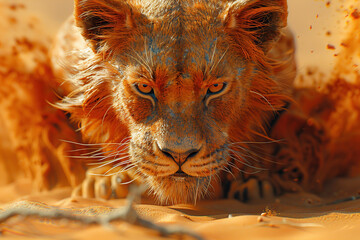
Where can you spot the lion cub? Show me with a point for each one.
(173, 92)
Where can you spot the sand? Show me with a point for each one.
(332, 213)
(292, 216)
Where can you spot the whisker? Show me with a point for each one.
(148, 57)
(246, 172)
(213, 54)
(250, 153)
(118, 156)
(128, 182)
(263, 97)
(83, 157)
(140, 74)
(116, 166)
(264, 142)
(233, 165)
(109, 162)
(115, 154)
(125, 140)
(246, 164)
(245, 155)
(88, 144)
(127, 168)
(141, 61)
(110, 153)
(98, 156)
(196, 191)
(241, 155)
(225, 169)
(99, 101)
(103, 119)
(85, 149)
(209, 180)
(109, 175)
(221, 58)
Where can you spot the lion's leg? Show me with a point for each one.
(102, 184)
(252, 190)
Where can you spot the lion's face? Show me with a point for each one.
(179, 104)
(179, 122)
(183, 87)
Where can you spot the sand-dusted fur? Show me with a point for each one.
(173, 90)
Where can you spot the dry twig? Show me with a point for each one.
(126, 214)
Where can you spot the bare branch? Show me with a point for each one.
(126, 214)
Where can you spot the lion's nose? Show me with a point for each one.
(180, 157)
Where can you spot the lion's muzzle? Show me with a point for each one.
(179, 155)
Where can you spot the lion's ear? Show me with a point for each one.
(105, 23)
(259, 20)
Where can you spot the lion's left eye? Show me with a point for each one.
(144, 88)
(216, 88)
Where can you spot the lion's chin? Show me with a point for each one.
(177, 189)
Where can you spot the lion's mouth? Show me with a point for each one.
(180, 174)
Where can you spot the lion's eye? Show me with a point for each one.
(216, 88)
(144, 88)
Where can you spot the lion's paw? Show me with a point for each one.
(251, 190)
(103, 187)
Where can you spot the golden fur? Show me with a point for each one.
(181, 139)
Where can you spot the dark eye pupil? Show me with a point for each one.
(216, 85)
(144, 85)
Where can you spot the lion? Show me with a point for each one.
(171, 94)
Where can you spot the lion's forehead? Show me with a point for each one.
(186, 33)
(183, 56)
(191, 62)
(182, 53)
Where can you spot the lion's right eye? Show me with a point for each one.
(216, 88)
(144, 88)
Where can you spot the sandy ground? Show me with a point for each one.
(333, 214)
(293, 216)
